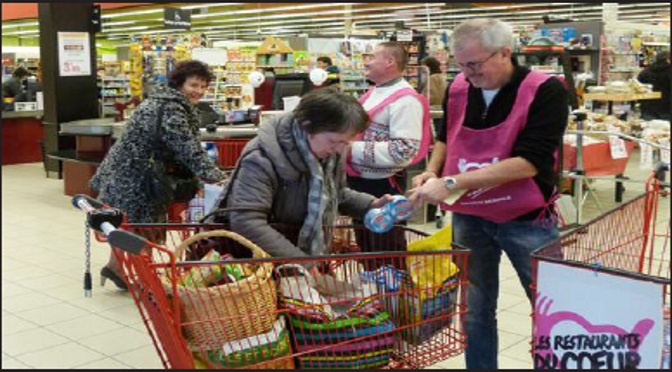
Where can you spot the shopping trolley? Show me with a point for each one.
(356, 310)
(620, 262)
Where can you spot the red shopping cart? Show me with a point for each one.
(621, 261)
(359, 310)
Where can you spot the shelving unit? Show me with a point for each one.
(353, 81)
(564, 63)
(114, 89)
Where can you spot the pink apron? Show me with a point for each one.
(426, 140)
(470, 149)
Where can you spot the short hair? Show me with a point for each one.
(493, 34)
(20, 72)
(433, 64)
(663, 56)
(398, 51)
(328, 110)
(325, 59)
(186, 69)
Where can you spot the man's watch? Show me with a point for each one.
(450, 182)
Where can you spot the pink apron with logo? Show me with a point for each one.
(426, 139)
(470, 149)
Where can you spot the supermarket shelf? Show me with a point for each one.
(622, 97)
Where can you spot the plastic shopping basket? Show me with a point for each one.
(378, 330)
(618, 311)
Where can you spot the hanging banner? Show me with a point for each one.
(585, 319)
(175, 18)
(74, 55)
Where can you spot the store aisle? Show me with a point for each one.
(48, 323)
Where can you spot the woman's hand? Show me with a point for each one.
(423, 177)
(380, 202)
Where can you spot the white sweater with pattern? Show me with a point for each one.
(393, 138)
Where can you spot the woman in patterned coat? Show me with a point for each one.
(119, 179)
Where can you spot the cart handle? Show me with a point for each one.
(121, 239)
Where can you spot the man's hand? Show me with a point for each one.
(423, 177)
(434, 191)
(380, 202)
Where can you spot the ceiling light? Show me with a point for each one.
(119, 23)
(189, 7)
(137, 12)
(267, 10)
(21, 32)
(126, 29)
(20, 25)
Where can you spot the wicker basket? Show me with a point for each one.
(233, 311)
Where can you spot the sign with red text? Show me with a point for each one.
(74, 54)
(585, 319)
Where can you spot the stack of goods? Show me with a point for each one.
(610, 123)
(228, 310)
(428, 289)
(338, 324)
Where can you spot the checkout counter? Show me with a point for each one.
(22, 132)
(94, 138)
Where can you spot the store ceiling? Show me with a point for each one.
(253, 21)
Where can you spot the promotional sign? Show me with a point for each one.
(404, 35)
(74, 56)
(585, 319)
(177, 18)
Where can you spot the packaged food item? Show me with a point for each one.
(400, 208)
(379, 220)
(204, 275)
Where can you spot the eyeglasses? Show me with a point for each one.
(476, 66)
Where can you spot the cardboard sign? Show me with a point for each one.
(586, 319)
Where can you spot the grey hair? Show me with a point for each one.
(493, 34)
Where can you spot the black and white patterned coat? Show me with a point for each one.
(119, 179)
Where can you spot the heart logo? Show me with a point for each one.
(583, 345)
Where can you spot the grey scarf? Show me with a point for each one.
(322, 196)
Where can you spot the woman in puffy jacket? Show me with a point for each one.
(120, 179)
(293, 173)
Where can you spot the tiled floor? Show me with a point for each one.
(48, 323)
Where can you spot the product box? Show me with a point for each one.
(25, 106)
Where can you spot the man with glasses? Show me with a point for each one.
(496, 155)
(399, 135)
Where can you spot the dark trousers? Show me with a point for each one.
(391, 241)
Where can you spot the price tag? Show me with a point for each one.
(665, 150)
(645, 156)
(617, 146)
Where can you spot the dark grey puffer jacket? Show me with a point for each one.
(273, 179)
(119, 179)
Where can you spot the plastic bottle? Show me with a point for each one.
(211, 149)
(379, 220)
(400, 208)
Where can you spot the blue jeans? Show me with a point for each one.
(487, 240)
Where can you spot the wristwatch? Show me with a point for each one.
(450, 182)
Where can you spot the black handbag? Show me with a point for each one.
(166, 180)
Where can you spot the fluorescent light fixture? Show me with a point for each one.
(24, 24)
(119, 23)
(188, 7)
(21, 32)
(127, 29)
(137, 12)
(267, 10)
